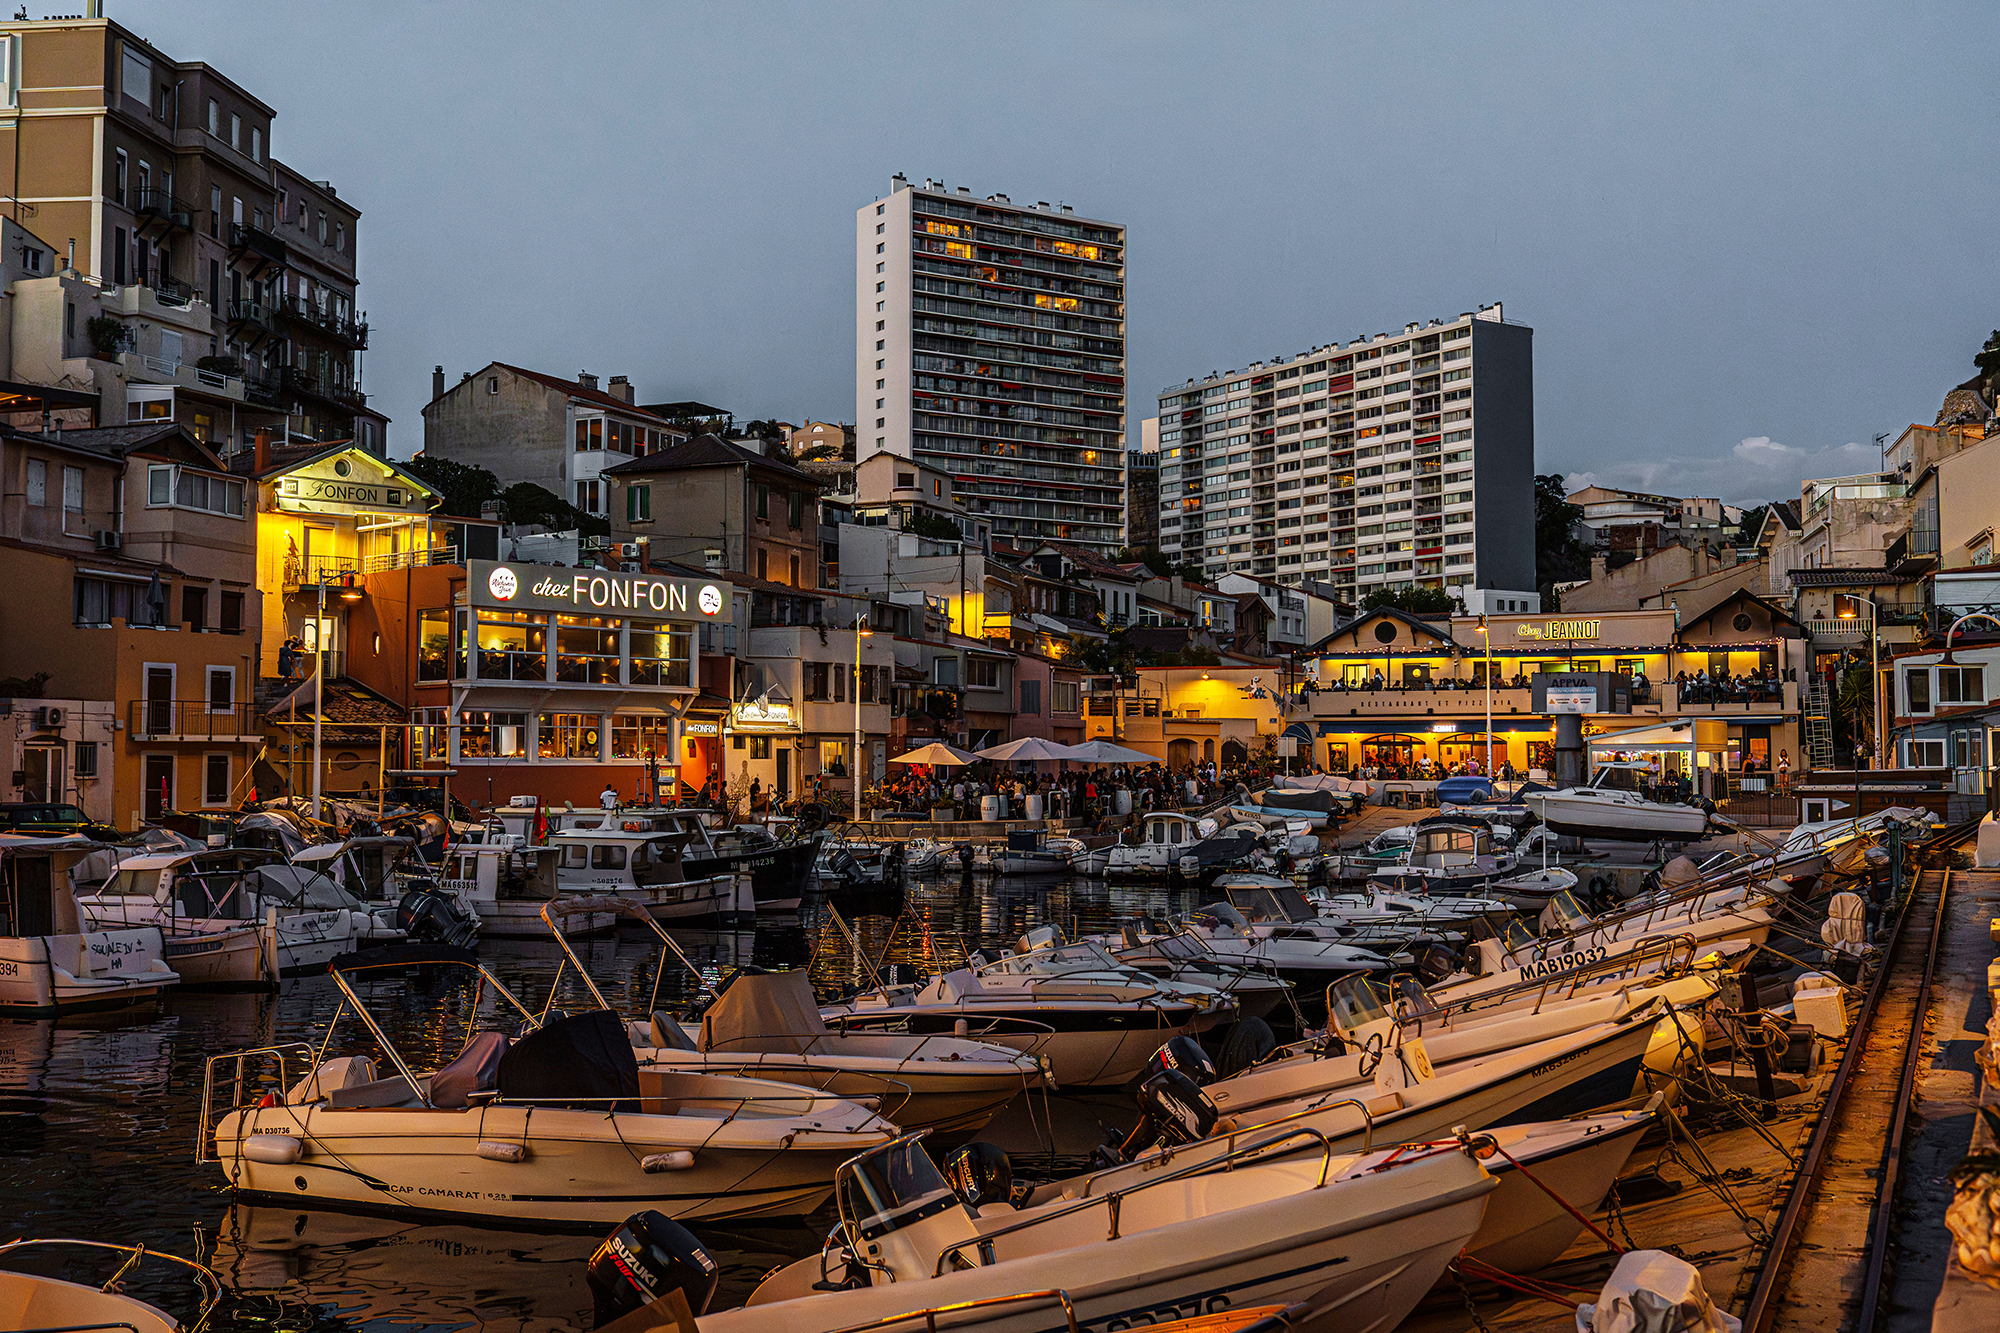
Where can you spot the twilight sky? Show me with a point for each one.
(1749, 237)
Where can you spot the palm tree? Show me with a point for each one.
(1854, 711)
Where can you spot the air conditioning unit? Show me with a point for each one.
(49, 719)
(629, 550)
(107, 540)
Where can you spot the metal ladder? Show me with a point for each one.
(1819, 723)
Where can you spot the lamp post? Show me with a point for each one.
(1874, 674)
(1487, 638)
(348, 593)
(861, 631)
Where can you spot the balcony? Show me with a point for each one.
(305, 384)
(257, 248)
(1693, 700)
(347, 332)
(309, 573)
(193, 720)
(160, 206)
(436, 555)
(256, 315)
(1417, 701)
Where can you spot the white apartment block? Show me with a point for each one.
(1398, 460)
(990, 345)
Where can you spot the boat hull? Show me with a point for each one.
(581, 1169)
(1585, 817)
(239, 959)
(1080, 1048)
(45, 975)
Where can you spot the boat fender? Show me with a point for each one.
(503, 1152)
(960, 1028)
(678, 1160)
(273, 1149)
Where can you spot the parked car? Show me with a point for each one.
(52, 818)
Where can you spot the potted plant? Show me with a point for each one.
(108, 337)
(1974, 1214)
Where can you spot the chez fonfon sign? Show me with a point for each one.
(517, 587)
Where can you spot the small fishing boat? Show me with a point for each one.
(556, 1128)
(49, 963)
(646, 867)
(1030, 852)
(779, 869)
(1613, 806)
(1309, 956)
(507, 886)
(29, 1301)
(1444, 858)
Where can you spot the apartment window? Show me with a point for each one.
(256, 145)
(72, 495)
(38, 482)
(1917, 689)
(982, 673)
(214, 116)
(1065, 695)
(339, 236)
(236, 131)
(232, 613)
(85, 763)
(586, 496)
(795, 572)
(763, 563)
(1926, 754)
(589, 434)
(1031, 697)
(120, 165)
(194, 607)
(795, 507)
(322, 227)
(221, 689)
(215, 779)
(878, 228)
(69, 321)
(638, 504)
(763, 500)
(1961, 685)
(235, 211)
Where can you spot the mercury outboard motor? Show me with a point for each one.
(1184, 1054)
(1180, 1109)
(979, 1173)
(648, 1257)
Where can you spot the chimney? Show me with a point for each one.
(586, 379)
(261, 460)
(621, 388)
(437, 383)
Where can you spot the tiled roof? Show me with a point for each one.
(576, 389)
(347, 703)
(1855, 577)
(708, 451)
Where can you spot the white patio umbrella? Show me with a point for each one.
(1108, 752)
(936, 753)
(1028, 748)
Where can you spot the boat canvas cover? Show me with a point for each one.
(1318, 802)
(770, 1011)
(1232, 847)
(584, 1062)
(304, 889)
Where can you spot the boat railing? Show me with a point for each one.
(135, 1254)
(931, 1315)
(1115, 1200)
(245, 1078)
(1567, 982)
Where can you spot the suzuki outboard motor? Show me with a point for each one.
(1185, 1055)
(979, 1173)
(648, 1257)
(1179, 1109)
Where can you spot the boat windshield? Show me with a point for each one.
(1617, 779)
(1223, 913)
(891, 1187)
(1569, 912)
(1357, 1002)
(1412, 999)
(1517, 938)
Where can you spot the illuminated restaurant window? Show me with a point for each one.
(567, 736)
(492, 735)
(661, 653)
(638, 736)
(434, 645)
(587, 650)
(513, 645)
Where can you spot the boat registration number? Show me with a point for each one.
(1192, 1307)
(1563, 962)
(10, 969)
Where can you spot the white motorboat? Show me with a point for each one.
(507, 886)
(1613, 806)
(1310, 957)
(646, 867)
(29, 1301)
(1158, 949)
(1033, 852)
(50, 964)
(768, 1026)
(1445, 857)
(1530, 890)
(1088, 1032)
(1164, 839)
(1362, 1244)
(1577, 1159)
(207, 950)
(558, 1128)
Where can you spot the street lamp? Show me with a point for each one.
(861, 631)
(348, 593)
(1874, 673)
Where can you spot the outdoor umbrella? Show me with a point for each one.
(1028, 748)
(936, 753)
(1108, 752)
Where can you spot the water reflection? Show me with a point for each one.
(98, 1116)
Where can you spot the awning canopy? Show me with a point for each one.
(1671, 736)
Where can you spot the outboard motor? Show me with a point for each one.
(650, 1256)
(965, 856)
(1184, 1054)
(979, 1173)
(1179, 1109)
(900, 974)
(426, 913)
(841, 863)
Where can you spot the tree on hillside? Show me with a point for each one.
(1560, 554)
(525, 502)
(464, 488)
(1161, 563)
(1988, 364)
(1417, 601)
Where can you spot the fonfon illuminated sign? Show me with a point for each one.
(1560, 629)
(560, 588)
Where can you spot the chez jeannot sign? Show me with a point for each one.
(561, 588)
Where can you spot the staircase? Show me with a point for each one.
(1818, 723)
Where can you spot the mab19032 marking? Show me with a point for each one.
(1564, 962)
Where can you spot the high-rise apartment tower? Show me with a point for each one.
(1399, 460)
(990, 344)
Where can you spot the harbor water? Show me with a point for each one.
(99, 1115)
